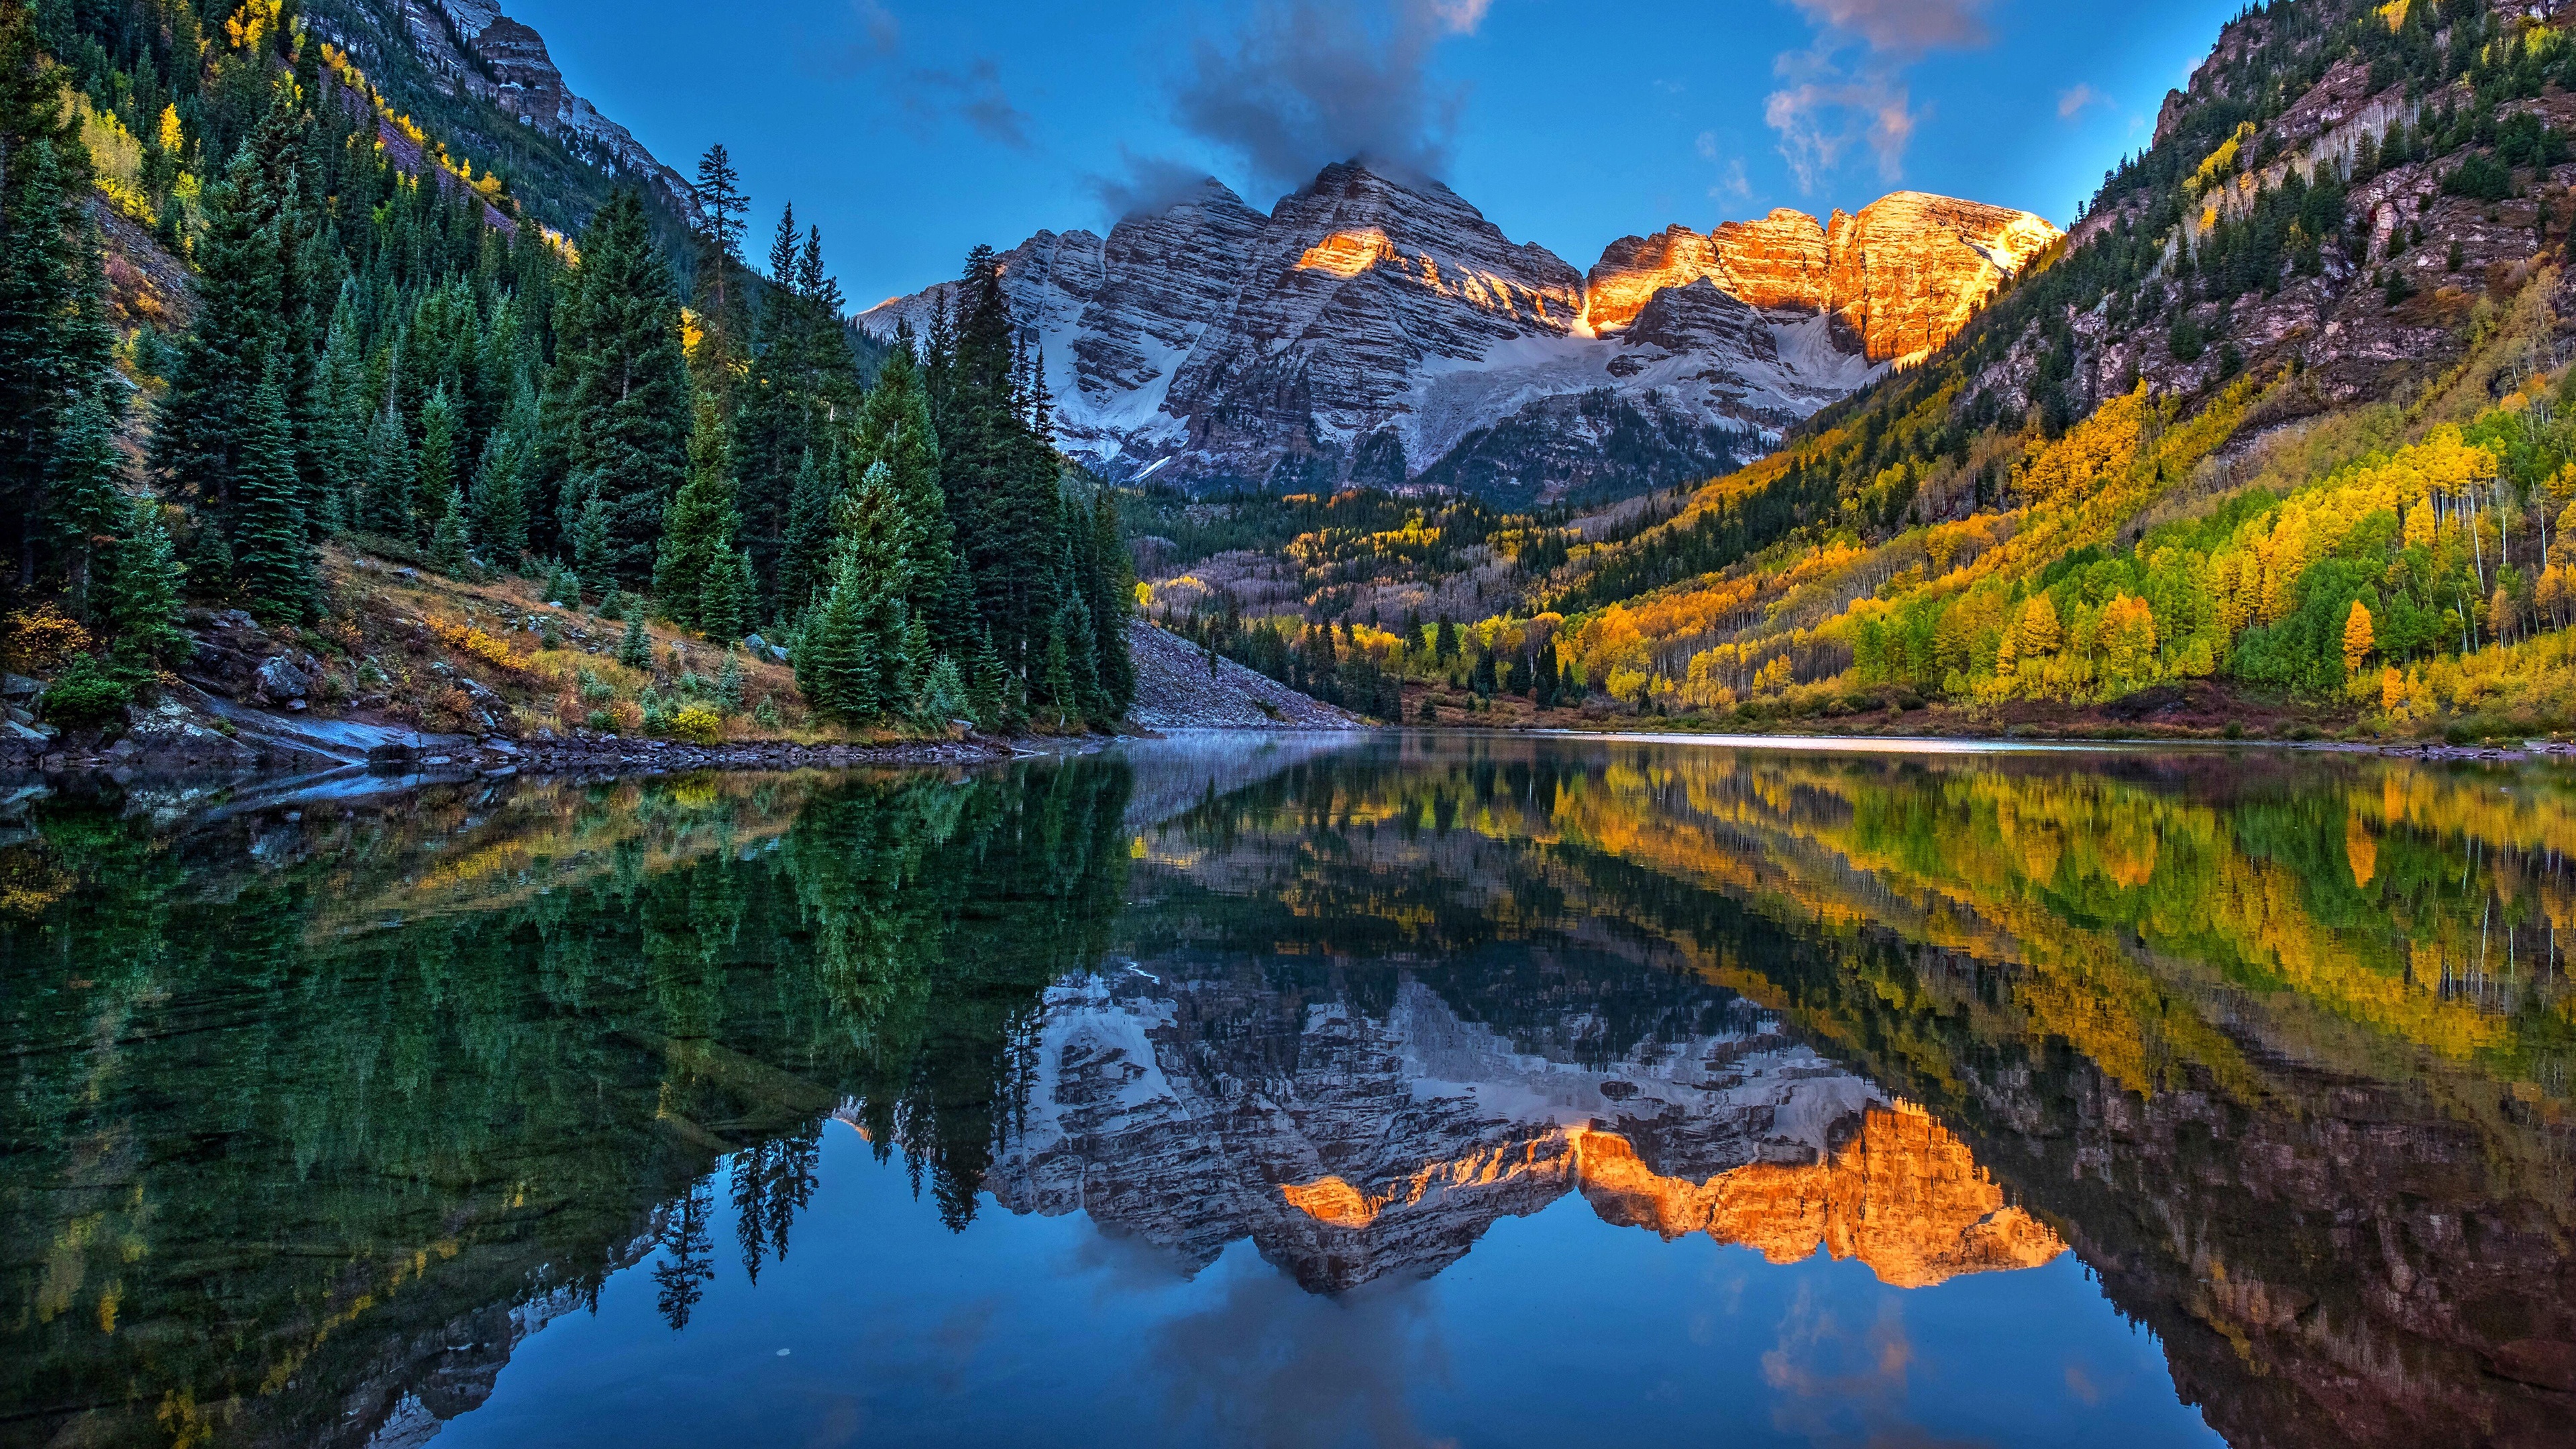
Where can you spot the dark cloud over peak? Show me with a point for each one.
(1303, 84)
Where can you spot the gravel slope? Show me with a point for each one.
(1174, 691)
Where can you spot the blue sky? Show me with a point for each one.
(911, 130)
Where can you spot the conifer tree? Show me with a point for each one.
(724, 607)
(392, 473)
(141, 593)
(805, 560)
(834, 664)
(272, 565)
(450, 547)
(623, 383)
(224, 357)
(88, 510)
(434, 498)
(729, 684)
(500, 505)
(44, 173)
(698, 530)
(635, 647)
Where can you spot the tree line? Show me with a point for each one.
(386, 359)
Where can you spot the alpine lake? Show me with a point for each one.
(1394, 1089)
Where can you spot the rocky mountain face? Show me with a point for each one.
(469, 48)
(1382, 332)
(1198, 1108)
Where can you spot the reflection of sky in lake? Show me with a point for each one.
(1558, 1329)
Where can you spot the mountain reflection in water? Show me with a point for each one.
(1239, 1092)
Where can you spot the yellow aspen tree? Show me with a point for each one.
(2357, 640)
(2500, 612)
(2037, 631)
(2419, 524)
(2392, 689)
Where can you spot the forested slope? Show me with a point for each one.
(2283, 414)
(377, 353)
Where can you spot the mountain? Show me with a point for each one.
(2283, 429)
(1377, 331)
(1350, 1146)
(483, 75)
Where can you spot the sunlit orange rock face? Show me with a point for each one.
(1905, 1197)
(1899, 280)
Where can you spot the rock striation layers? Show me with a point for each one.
(1377, 331)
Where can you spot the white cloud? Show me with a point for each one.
(2077, 100)
(1834, 103)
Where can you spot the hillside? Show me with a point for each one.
(1377, 332)
(2279, 429)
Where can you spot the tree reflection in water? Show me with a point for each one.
(306, 1096)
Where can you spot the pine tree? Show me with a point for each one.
(635, 647)
(724, 611)
(47, 356)
(223, 358)
(392, 473)
(88, 510)
(623, 384)
(434, 497)
(500, 505)
(834, 663)
(141, 596)
(272, 565)
(450, 547)
(697, 532)
(805, 560)
(729, 684)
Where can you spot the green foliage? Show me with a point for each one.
(272, 565)
(86, 694)
(635, 647)
(623, 386)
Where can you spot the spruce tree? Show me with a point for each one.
(805, 559)
(724, 606)
(88, 510)
(635, 648)
(729, 684)
(141, 596)
(834, 663)
(1056, 693)
(894, 432)
(224, 358)
(697, 532)
(47, 357)
(435, 496)
(500, 505)
(623, 381)
(272, 564)
(392, 473)
(450, 548)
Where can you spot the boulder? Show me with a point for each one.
(280, 679)
(19, 686)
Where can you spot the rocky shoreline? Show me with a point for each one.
(193, 750)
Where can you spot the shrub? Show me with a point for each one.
(449, 711)
(86, 694)
(41, 641)
(697, 724)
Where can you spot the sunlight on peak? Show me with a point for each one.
(1348, 253)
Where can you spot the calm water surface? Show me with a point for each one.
(1406, 1091)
